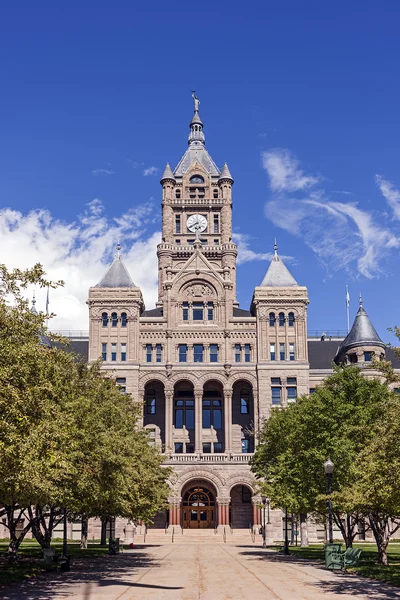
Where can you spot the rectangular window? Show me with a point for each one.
(217, 418)
(216, 223)
(189, 418)
(291, 381)
(198, 351)
(210, 311)
(213, 352)
(206, 417)
(275, 380)
(281, 351)
(218, 448)
(185, 311)
(368, 356)
(245, 446)
(276, 395)
(182, 353)
(237, 352)
(177, 223)
(123, 352)
(272, 354)
(189, 448)
(113, 352)
(198, 311)
(158, 353)
(104, 351)
(247, 353)
(179, 418)
(149, 353)
(207, 448)
(151, 405)
(291, 394)
(121, 382)
(312, 391)
(291, 351)
(178, 448)
(244, 405)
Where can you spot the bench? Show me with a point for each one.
(349, 558)
(53, 560)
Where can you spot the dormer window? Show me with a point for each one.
(196, 179)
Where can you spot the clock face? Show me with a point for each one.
(197, 223)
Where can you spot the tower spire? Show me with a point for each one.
(196, 135)
(275, 248)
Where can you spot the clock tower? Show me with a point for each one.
(196, 212)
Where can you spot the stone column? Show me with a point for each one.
(198, 398)
(142, 396)
(223, 511)
(228, 420)
(257, 520)
(168, 420)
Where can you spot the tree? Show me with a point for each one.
(335, 422)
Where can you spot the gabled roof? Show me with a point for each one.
(278, 274)
(362, 333)
(117, 276)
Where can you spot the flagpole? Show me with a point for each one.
(348, 308)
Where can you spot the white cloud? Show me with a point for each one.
(150, 171)
(284, 171)
(245, 254)
(391, 194)
(103, 172)
(79, 253)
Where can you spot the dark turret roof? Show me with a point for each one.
(362, 333)
(117, 276)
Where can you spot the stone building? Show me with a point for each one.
(207, 371)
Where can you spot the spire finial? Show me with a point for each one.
(360, 300)
(118, 255)
(196, 101)
(275, 248)
(33, 309)
(196, 135)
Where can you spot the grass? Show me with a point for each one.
(368, 566)
(30, 562)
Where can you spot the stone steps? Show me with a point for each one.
(197, 536)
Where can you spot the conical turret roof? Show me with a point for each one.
(168, 174)
(278, 275)
(362, 333)
(225, 173)
(117, 275)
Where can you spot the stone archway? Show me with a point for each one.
(199, 505)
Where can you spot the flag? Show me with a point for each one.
(47, 301)
(347, 297)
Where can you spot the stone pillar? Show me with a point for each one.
(198, 398)
(228, 419)
(142, 397)
(223, 511)
(257, 520)
(168, 420)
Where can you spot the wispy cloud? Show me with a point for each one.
(79, 253)
(390, 193)
(103, 172)
(341, 234)
(245, 254)
(284, 171)
(150, 171)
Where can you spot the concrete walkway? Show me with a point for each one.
(199, 571)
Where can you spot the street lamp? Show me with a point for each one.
(328, 467)
(264, 531)
(286, 545)
(268, 505)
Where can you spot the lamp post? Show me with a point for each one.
(286, 545)
(268, 505)
(328, 467)
(264, 530)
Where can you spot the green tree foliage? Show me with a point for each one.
(335, 422)
(69, 438)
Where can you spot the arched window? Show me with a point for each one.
(291, 319)
(124, 319)
(114, 319)
(281, 319)
(196, 179)
(272, 319)
(104, 319)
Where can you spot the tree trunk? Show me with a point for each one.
(380, 528)
(103, 539)
(303, 530)
(11, 524)
(43, 522)
(84, 532)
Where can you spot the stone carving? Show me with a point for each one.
(198, 290)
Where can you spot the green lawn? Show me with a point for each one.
(30, 563)
(368, 566)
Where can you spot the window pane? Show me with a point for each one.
(276, 380)
(218, 447)
(281, 320)
(178, 448)
(272, 319)
(149, 351)
(292, 380)
(113, 352)
(182, 353)
(124, 319)
(198, 313)
(247, 352)
(206, 418)
(158, 353)
(217, 418)
(104, 351)
(276, 395)
(114, 319)
(178, 223)
(367, 356)
(207, 448)
(282, 351)
(237, 352)
(198, 352)
(245, 446)
(272, 351)
(104, 319)
(210, 311)
(244, 406)
(291, 394)
(179, 418)
(291, 319)
(189, 418)
(213, 353)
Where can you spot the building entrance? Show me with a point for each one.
(198, 509)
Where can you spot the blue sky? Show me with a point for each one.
(300, 98)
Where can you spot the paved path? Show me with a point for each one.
(200, 571)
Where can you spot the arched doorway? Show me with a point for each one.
(198, 507)
(241, 509)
